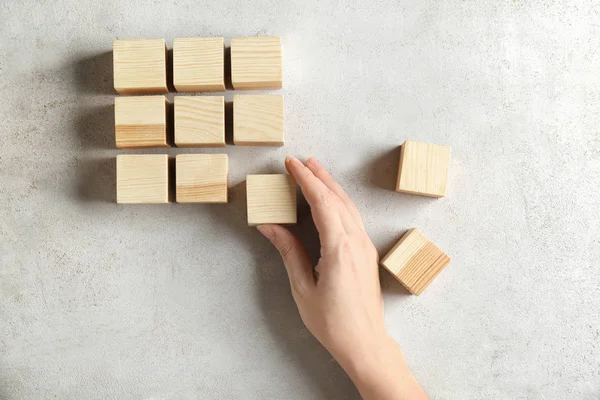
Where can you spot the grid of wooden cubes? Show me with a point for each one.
(142, 178)
(258, 120)
(141, 122)
(271, 199)
(199, 121)
(415, 261)
(423, 169)
(140, 66)
(256, 63)
(201, 178)
(199, 64)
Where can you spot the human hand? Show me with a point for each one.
(339, 299)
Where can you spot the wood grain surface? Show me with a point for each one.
(140, 66)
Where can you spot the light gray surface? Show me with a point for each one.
(102, 301)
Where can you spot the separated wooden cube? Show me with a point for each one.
(201, 178)
(271, 199)
(256, 63)
(140, 66)
(141, 122)
(415, 261)
(142, 178)
(258, 120)
(423, 169)
(199, 121)
(199, 64)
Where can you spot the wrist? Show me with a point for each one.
(369, 356)
(380, 371)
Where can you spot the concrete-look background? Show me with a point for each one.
(105, 301)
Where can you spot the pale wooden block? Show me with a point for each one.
(271, 199)
(415, 261)
(199, 64)
(201, 178)
(141, 122)
(199, 121)
(256, 63)
(423, 169)
(258, 120)
(140, 66)
(142, 178)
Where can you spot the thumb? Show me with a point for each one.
(294, 256)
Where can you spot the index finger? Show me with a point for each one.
(325, 177)
(324, 205)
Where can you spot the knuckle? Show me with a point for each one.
(368, 246)
(345, 247)
(298, 289)
(324, 174)
(285, 249)
(345, 244)
(324, 199)
(366, 242)
(352, 207)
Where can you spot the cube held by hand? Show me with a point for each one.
(271, 199)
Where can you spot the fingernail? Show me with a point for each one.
(313, 161)
(267, 231)
(291, 159)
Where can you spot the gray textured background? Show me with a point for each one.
(103, 301)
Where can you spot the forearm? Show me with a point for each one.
(381, 373)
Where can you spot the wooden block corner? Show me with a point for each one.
(423, 169)
(271, 199)
(415, 261)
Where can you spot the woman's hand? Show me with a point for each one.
(339, 299)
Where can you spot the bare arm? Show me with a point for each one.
(339, 299)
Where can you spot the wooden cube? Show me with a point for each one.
(140, 66)
(142, 178)
(201, 178)
(199, 64)
(258, 120)
(199, 121)
(256, 63)
(141, 122)
(271, 199)
(415, 261)
(423, 169)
